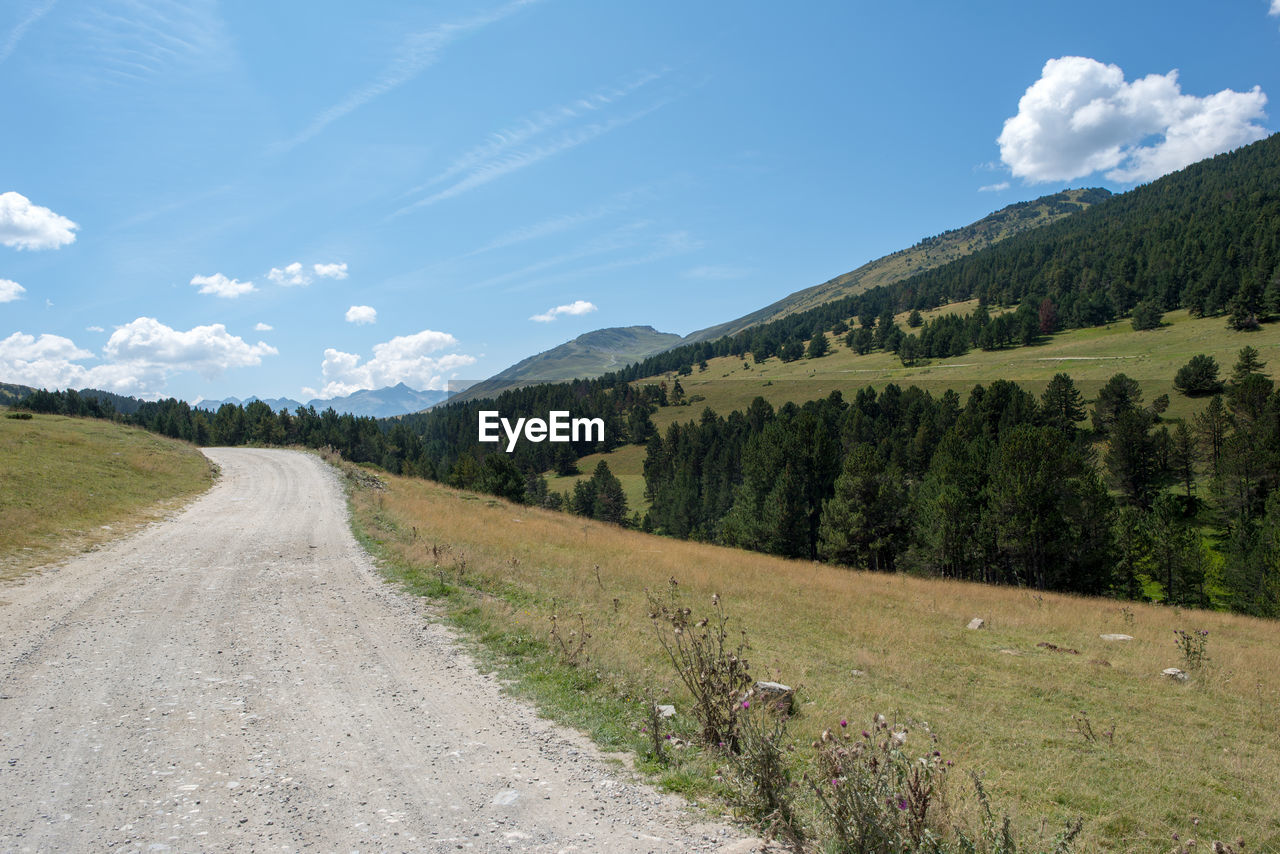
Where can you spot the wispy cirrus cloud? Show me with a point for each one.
(532, 140)
(134, 41)
(418, 52)
(26, 22)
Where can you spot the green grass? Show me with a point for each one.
(627, 463)
(1002, 705)
(1090, 356)
(72, 482)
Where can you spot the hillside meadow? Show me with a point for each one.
(1089, 356)
(69, 483)
(1200, 759)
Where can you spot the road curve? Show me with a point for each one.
(239, 678)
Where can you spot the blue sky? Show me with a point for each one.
(205, 199)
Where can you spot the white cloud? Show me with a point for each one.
(292, 276)
(576, 307)
(362, 314)
(994, 188)
(262, 327)
(27, 226)
(404, 359)
(138, 357)
(1082, 117)
(220, 286)
(1275, 7)
(330, 271)
(94, 329)
(10, 290)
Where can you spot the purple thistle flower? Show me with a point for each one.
(902, 803)
(843, 722)
(746, 704)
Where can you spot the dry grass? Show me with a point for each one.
(69, 483)
(1003, 706)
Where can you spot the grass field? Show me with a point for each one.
(1090, 356)
(860, 644)
(69, 483)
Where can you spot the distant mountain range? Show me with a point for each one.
(589, 355)
(379, 402)
(595, 353)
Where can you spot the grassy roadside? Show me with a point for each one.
(860, 644)
(70, 483)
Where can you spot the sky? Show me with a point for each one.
(205, 199)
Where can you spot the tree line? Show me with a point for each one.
(1006, 488)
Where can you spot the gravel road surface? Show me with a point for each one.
(239, 678)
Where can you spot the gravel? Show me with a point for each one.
(239, 678)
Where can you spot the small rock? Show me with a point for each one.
(857, 673)
(1116, 637)
(666, 711)
(772, 694)
(977, 623)
(1175, 673)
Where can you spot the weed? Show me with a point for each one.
(707, 661)
(761, 776)
(1194, 646)
(572, 648)
(1084, 728)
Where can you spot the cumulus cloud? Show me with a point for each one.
(138, 358)
(220, 286)
(574, 308)
(362, 314)
(10, 290)
(1275, 7)
(405, 359)
(330, 271)
(994, 188)
(1082, 117)
(27, 226)
(262, 327)
(291, 276)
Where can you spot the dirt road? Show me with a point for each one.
(239, 678)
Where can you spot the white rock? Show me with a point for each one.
(1116, 637)
(1175, 673)
(977, 623)
(667, 711)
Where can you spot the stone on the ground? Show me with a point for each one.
(1175, 673)
(977, 623)
(1116, 637)
(773, 695)
(666, 711)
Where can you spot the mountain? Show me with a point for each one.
(11, 392)
(276, 403)
(379, 402)
(928, 254)
(587, 356)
